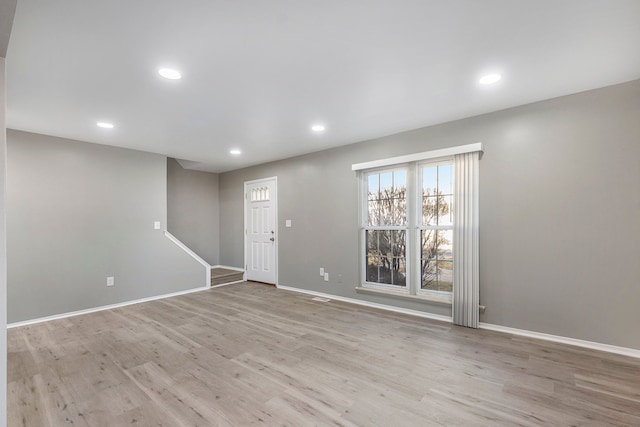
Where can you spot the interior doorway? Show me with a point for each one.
(261, 230)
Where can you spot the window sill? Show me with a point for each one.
(425, 298)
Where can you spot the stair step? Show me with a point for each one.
(221, 276)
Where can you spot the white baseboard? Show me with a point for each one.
(625, 351)
(370, 304)
(104, 307)
(226, 267)
(227, 284)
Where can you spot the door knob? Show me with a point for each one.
(272, 239)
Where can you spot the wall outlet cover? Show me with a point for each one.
(321, 271)
(326, 277)
(110, 281)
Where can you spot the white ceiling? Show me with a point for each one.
(258, 74)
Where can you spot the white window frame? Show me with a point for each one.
(420, 226)
(413, 227)
(364, 227)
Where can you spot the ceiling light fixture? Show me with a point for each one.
(235, 152)
(490, 79)
(105, 125)
(318, 128)
(169, 73)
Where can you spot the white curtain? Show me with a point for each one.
(466, 257)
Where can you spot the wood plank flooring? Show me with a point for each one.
(250, 354)
(221, 276)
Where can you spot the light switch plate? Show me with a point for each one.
(287, 223)
(156, 225)
(326, 277)
(110, 281)
(322, 271)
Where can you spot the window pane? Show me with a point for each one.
(393, 199)
(445, 260)
(384, 243)
(445, 245)
(445, 210)
(445, 179)
(398, 259)
(386, 183)
(373, 214)
(437, 260)
(387, 212)
(373, 187)
(437, 195)
(399, 216)
(373, 249)
(399, 181)
(386, 257)
(445, 276)
(429, 245)
(430, 210)
(385, 272)
(373, 263)
(399, 269)
(429, 181)
(398, 243)
(429, 276)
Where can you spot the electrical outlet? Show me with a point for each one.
(110, 281)
(156, 225)
(322, 271)
(326, 277)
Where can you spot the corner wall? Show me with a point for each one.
(79, 212)
(192, 210)
(559, 214)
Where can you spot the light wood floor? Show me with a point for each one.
(250, 354)
(221, 276)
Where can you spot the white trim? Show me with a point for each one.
(184, 247)
(625, 351)
(104, 307)
(276, 220)
(425, 297)
(227, 284)
(193, 255)
(425, 155)
(370, 304)
(395, 289)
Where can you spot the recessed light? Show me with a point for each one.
(169, 73)
(105, 125)
(318, 128)
(489, 79)
(235, 152)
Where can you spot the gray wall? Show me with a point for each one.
(560, 214)
(7, 11)
(3, 252)
(80, 212)
(192, 209)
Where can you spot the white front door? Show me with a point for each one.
(260, 229)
